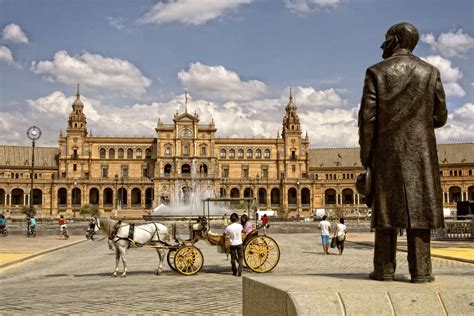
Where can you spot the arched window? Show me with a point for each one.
(130, 153)
(111, 153)
(203, 151)
(37, 197)
(94, 196)
(121, 153)
(168, 151)
(241, 154)
(136, 197)
(102, 153)
(249, 154)
(275, 197)
(347, 196)
(62, 197)
(148, 153)
(167, 170)
(262, 196)
(258, 154)
(232, 154)
(149, 196)
(223, 154)
(108, 198)
(330, 196)
(234, 193)
(248, 193)
(138, 153)
(185, 170)
(454, 194)
(266, 154)
(305, 197)
(292, 197)
(203, 169)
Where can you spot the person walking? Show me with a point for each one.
(403, 102)
(234, 232)
(325, 228)
(265, 223)
(226, 220)
(341, 235)
(63, 227)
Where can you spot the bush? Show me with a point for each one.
(89, 209)
(26, 210)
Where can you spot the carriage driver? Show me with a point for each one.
(234, 232)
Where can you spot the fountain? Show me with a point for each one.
(187, 200)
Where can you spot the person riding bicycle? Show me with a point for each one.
(3, 222)
(31, 224)
(63, 226)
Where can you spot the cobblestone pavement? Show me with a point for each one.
(78, 279)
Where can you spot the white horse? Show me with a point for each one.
(119, 234)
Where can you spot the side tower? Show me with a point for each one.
(293, 165)
(73, 158)
(295, 148)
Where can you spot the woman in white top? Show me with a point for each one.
(341, 231)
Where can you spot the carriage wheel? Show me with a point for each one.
(261, 254)
(170, 259)
(188, 260)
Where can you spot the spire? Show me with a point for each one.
(291, 103)
(77, 120)
(78, 101)
(186, 101)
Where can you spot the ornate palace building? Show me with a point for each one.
(135, 174)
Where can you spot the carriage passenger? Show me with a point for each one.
(246, 224)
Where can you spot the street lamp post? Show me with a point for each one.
(258, 198)
(116, 191)
(33, 133)
(298, 204)
(121, 193)
(74, 196)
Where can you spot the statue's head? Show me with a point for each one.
(401, 35)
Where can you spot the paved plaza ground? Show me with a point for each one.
(77, 279)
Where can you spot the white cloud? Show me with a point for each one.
(332, 128)
(217, 82)
(195, 12)
(247, 118)
(14, 34)
(311, 99)
(6, 55)
(327, 126)
(95, 71)
(306, 6)
(451, 44)
(116, 22)
(449, 75)
(459, 127)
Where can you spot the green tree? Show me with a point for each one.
(89, 209)
(25, 209)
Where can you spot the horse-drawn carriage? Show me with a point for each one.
(261, 252)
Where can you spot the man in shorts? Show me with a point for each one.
(325, 228)
(234, 232)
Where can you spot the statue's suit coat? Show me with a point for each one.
(403, 102)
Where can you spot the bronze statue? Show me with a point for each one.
(403, 102)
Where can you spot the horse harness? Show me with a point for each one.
(113, 236)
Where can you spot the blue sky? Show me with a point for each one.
(236, 58)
